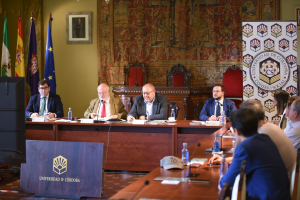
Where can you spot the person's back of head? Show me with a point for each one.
(245, 120)
(281, 96)
(256, 106)
(295, 113)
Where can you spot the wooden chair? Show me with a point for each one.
(178, 77)
(225, 193)
(135, 74)
(239, 187)
(233, 83)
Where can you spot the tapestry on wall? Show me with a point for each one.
(269, 61)
(203, 35)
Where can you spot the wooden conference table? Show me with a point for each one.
(128, 147)
(184, 190)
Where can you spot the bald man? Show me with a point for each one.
(105, 105)
(149, 103)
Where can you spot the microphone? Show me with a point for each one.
(221, 149)
(145, 183)
(190, 167)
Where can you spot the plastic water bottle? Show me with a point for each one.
(223, 117)
(223, 166)
(172, 113)
(233, 142)
(216, 144)
(185, 154)
(70, 114)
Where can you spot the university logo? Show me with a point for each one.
(292, 90)
(248, 90)
(247, 60)
(262, 30)
(295, 76)
(276, 119)
(247, 30)
(244, 75)
(284, 45)
(269, 71)
(244, 45)
(269, 45)
(276, 30)
(262, 93)
(292, 60)
(291, 30)
(295, 44)
(255, 45)
(269, 106)
(59, 165)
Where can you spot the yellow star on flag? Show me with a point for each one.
(50, 77)
(50, 49)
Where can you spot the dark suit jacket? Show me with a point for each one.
(266, 175)
(160, 107)
(209, 108)
(54, 105)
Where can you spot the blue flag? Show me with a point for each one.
(33, 67)
(49, 62)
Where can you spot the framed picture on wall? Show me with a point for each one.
(297, 16)
(79, 28)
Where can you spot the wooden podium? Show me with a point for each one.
(55, 168)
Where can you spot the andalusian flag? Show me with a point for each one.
(49, 74)
(5, 60)
(20, 64)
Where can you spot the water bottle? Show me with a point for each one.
(233, 142)
(223, 117)
(223, 166)
(216, 144)
(172, 113)
(185, 154)
(70, 114)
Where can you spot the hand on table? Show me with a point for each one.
(216, 159)
(130, 118)
(142, 117)
(34, 115)
(93, 115)
(51, 115)
(113, 117)
(213, 118)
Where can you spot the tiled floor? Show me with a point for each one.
(113, 182)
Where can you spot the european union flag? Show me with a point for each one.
(33, 77)
(49, 74)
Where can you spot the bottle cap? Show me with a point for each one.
(223, 156)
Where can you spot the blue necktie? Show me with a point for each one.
(218, 112)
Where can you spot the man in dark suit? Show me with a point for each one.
(214, 107)
(266, 175)
(149, 104)
(44, 102)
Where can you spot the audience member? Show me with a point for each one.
(280, 99)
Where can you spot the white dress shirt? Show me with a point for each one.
(107, 108)
(149, 107)
(293, 132)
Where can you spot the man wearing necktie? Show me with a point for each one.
(105, 105)
(44, 102)
(214, 107)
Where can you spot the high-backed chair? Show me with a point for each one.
(178, 77)
(225, 193)
(135, 74)
(239, 186)
(233, 83)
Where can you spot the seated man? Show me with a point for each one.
(44, 102)
(293, 130)
(105, 105)
(149, 104)
(284, 145)
(266, 176)
(213, 107)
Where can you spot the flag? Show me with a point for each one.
(49, 74)
(5, 60)
(33, 67)
(20, 64)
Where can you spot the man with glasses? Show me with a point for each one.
(44, 102)
(149, 104)
(214, 107)
(105, 105)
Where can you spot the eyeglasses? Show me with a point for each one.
(147, 93)
(216, 91)
(43, 88)
(103, 93)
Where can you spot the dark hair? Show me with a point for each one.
(281, 97)
(43, 82)
(291, 99)
(222, 87)
(244, 120)
(256, 106)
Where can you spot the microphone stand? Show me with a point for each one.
(190, 168)
(145, 183)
